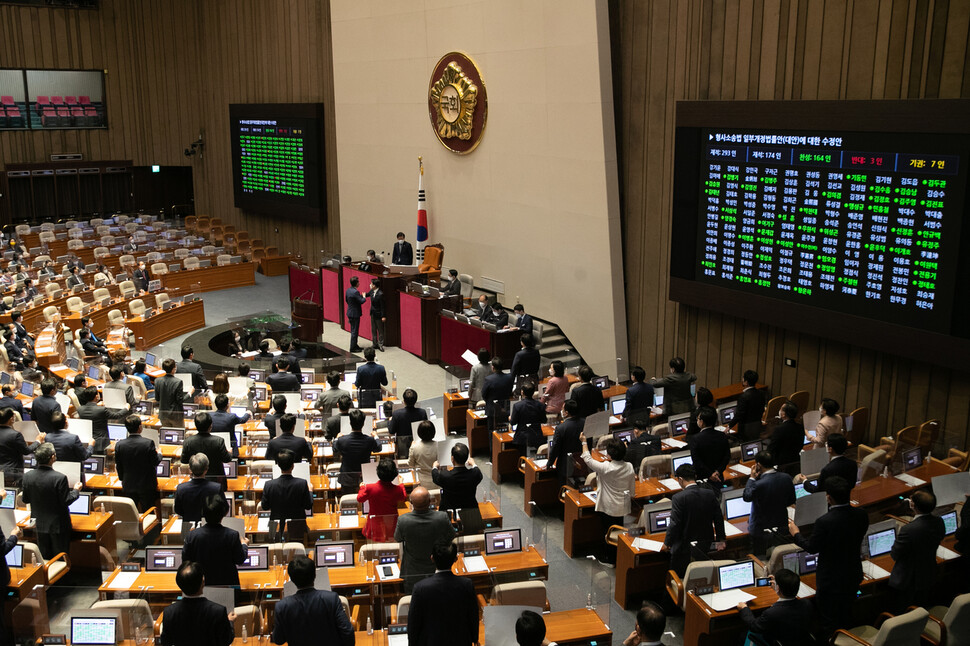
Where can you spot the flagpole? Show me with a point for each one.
(422, 235)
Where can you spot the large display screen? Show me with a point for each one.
(824, 217)
(277, 158)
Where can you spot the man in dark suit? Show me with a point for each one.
(225, 422)
(525, 363)
(399, 426)
(216, 548)
(588, 396)
(67, 446)
(378, 315)
(643, 444)
(769, 492)
(788, 621)
(135, 460)
(914, 552)
(523, 321)
(213, 447)
(639, 397)
(371, 377)
(565, 441)
(787, 439)
(403, 252)
(73, 278)
(14, 353)
(497, 316)
(283, 381)
(286, 497)
(418, 531)
(130, 246)
(710, 449)
(24, 338)
(836, 539)
(5, 548)
(696, 522)
(91, 349)
(193, 620)
(332, 426)
(271, 418)
(285, 440)
(190, 495)
(355, 449)
(649, 628)
(355, 302)
(48, 494)
(497, 388)
(454, 285)
(9, 400)
(170, 394)
(97, 415)
(459, 485)
(140, 277)
(839, 465)
(443, 606)
(676, 385)
(188, 365)
(13, 448)
(297, 351)
(528, 416)
(117, 373)
(310, 616)
(751, 407)
(44, 405)
(88, 323)
(483, 311)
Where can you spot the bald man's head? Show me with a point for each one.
(420, 498)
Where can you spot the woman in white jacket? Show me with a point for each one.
(615, 484)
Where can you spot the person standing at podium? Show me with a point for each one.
(354, 303)
(377, 314)
(403, 252)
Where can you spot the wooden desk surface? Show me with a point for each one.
(164, 582)
(501, 563)
(879, 490)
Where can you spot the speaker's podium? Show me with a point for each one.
(308, 317)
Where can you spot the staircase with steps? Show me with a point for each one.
(555, 345)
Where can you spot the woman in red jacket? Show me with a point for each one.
(383, 497)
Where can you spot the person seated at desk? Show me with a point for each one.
(13, 448)
(327, 400)
(139, 372)
(74, 277)
(135, 460)
(310, 616)
(649, 627)
(264, 352)
(556, 388)
(67, 445)
(839, 465)
(29, 290)
(88, 323)
(382, 497)
(44, 406)
(787, 439)
(286, 498)
(419, 531)
(213, 447)
(371, 377)
(528, 416)
(523, 321)
(525, 363)
(285, 440)
(483, 310)
(829, 422)
(332, 427)
(639, 397)
(586, 395)
(49, 496)
(97, 415)
(188, 365)
(31, 372)
(676, 385)
(788, 621)
(106, 273)
(190, 495)
(14, 353)
(453, 288)
(914, 553)
(193, 620)
(696, 522)
(9, 400)
(215, 547)
(24, 338)
(565, 441)
(424, 453)
(47, 271)
(283, 381)
(401, 420)
(130, 246)
(770, 493)
(497, 316)
(444, 609)
(403, 253)
(355, 449)
(90, 347)
(643, 444)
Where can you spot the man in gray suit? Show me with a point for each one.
(188, 366)
(117, 374)
(419, 530)
(48, 494)
(170, 394)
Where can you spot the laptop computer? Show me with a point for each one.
(93, 631)
(464, 385)
(881, 542)
(503, 541)
(164, 468)
(143, 408)
(623, 436)
(117, 432)
(311, 393)
(189, 410)
(93, 464)
(658, 521)
(306, 376)
(751, 449)
(230, 468)
(94, 372)
(658, 396)
(736, 507)
(334, 554)
(601, 382)
(617, 405)
(912, 458)
(172, 436)
(679, 424)
(679, 458)
(259, 392)
(81, 506)
(238, 411)
(27, 389)
(950, 523)
(801, 562)
(15, 557)
(726, 413)
(150, 359)
(735, 575)
(257, 558)
(163, 558)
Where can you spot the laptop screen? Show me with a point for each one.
(617, 406)
(230, 468)
(9, 500)
(94, 372)
(750, 449)
(624, 436)
(503, 541)
(306, 377)
(149, 359)
(601, 382)
(189, 410)
(949, 522)
(679, 424)
(172, 436)
(310, 394)
(881, 542)
(658, 396)
(15, 557)
(257, 558)
(807, 562)
(259, 392)
(912, 458)
(117, 432)
(238, 411)
(331, 554)
(91, 631)
(678, 459)
(81, 506)
(464, 385)
(256, 375)
(163, 558)
(164, 468)
(736, 575)
(726, 412)
(736, 508)
(659, 521)
(27, 389)
(142, 408)
(94, 464)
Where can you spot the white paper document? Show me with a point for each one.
(740, 468)
(123, 580)
(804, 591)
(726, 600)
(672, 443)
(670, 483)
(946, 554)
(475, 564)
(873, 571)
(731, 530)
(470, 357)
(348, 522)
(647, 544)
(912, 481)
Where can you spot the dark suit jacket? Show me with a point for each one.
(400, 422)
(565, 441)
(641, 447)
(915, 554)
(219, 551)
(786, 442)
(525, 362)
(524, 323)
(48, 494)
(73, 281)
(269, 421)
(98, 415)
(589, 398)
(963, 532)
(453, 288)
(5, 549)
(497, 387)
(187, 366)
(355, 449)
(677, 397)
(376, 302)
(838, 466)
(751, 406)
(92, 349)
(14, 353)
(403, 253)
(196, 621)
(289, 442)
(370, 377)
(458, 486)
(140, 278)
(226, 422)
(68, 446)
(639, 400)
(170, 393)
(354, 301)
(214, 449)
(528, 416)
(14, 403)
(710, 451)
(286, 498)
(836, 538)
(190, 496)
(312, 617)
(41, 410)
(443, 610)
(283, 382)
(135, 461)
(496, 318)
(769, 496)
(13, 448)
(418, 531)
(695, 515)
(787, 622)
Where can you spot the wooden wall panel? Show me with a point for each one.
(772, 49)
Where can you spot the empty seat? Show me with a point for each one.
(100, 294)
(159, 269)
(208, 250)
(181, 253)
(127, 288)
(223, 259)
(100, 252)
(137, 307)
(192, 262)
(126, 260)
(117, 319)
(75, 304)
(50, 288)
(161, 299)
(75, 243)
